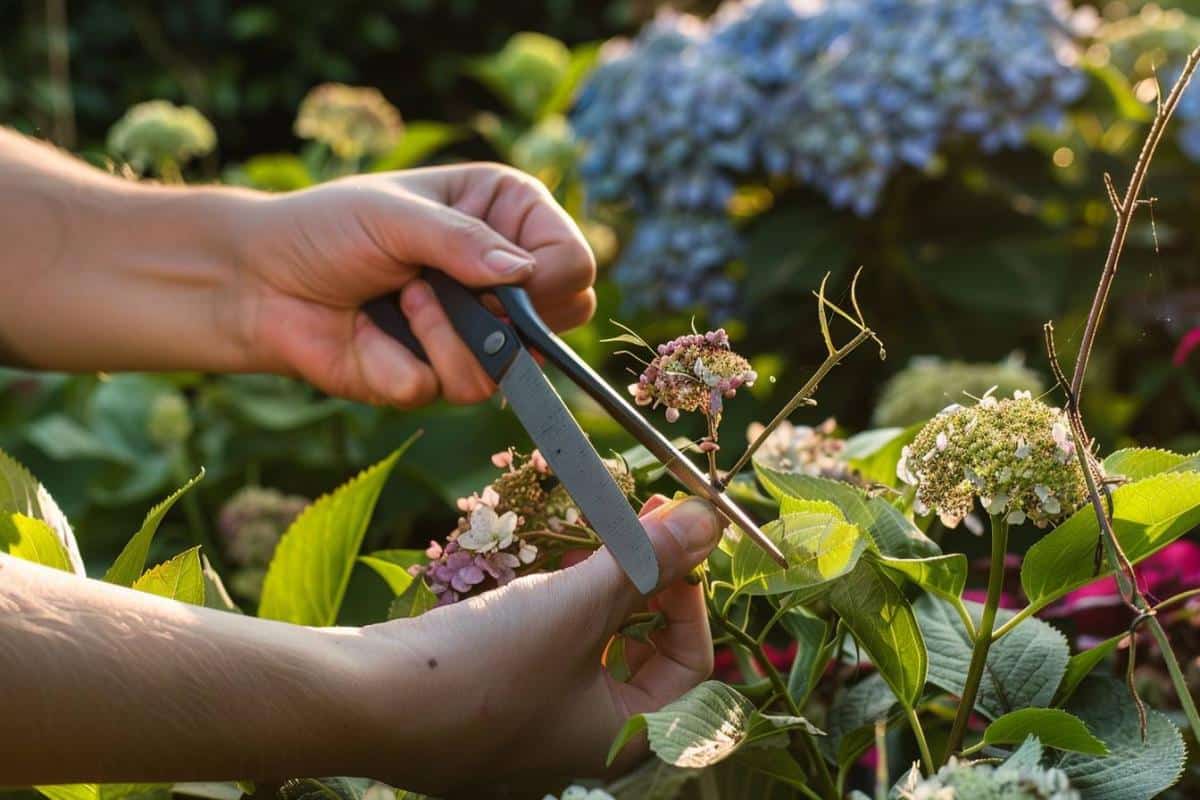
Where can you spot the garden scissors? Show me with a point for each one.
(500, 348)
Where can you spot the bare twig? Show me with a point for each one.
(1126, 576)
(834, 356)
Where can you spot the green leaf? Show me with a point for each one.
(883, 623)
(64, 439)
(105, 791)
(215, 594)
(641, 629)
(583, 60)
(793, 505)
(1053, 727)
(181, 578)
(1136, 463)
(413, 601)
(276, 172)
(32, 540)
(705, 726)
(945, 576)
(852, 719)
(1147, 516)
(774, 763)
(392, 566)
(421, 139)
(1133, 769)
(21, 493)
(818, 547)
(1023, 669)
(875, 453)
(894, 534)
(132, 560)
(1081, 665)
(809, 633)
(308, 575)
(1027, 756)
(1120, 91)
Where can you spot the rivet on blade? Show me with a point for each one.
(493, 343)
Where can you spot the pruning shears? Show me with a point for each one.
(501, 348)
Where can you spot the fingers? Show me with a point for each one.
(423, 232)
(683, 533)
(461, 377)
(683, 651)
(387, 372)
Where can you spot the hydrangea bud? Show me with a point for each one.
(170, 420)
(803, 450)
(694, 373)
(1017, 456)
(153, 134)
(963, 779)
(352, 121)
(252, 521)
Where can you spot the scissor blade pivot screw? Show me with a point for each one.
(494, 342)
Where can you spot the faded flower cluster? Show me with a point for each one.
(1017, 456)
(493, 537)
(959, 780)
(158, 134)
(352, 121)
(251, 524)
(804, 450)
(695, 372)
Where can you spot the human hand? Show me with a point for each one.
(309, 260)
(512, 691)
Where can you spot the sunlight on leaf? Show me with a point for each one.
(132, 560)
(32, 540)
(818, 547)
(181, 578)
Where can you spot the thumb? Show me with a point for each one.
(683, 533)
(429, 233)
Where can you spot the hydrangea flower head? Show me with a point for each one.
(694, 373)
(803, 450)
(1017, 456)
(919, 391)
(959, 780)
(158, 132)
(352, 121)
(252, 521)
(575, 792)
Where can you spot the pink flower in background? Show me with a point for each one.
(1097, 609)
(1189, 342)
(1007, 599)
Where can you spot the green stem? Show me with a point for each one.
(1177, 678)
(784, 607)
(1015, 620)
(914, 722)
(983, 637)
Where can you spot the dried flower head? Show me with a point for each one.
(494, 537)
(1017, 456)
(252, 521)
(352, 121)
(804, 450)
(963, 779)
(156, 133)
(694, 373)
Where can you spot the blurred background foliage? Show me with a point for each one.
(965, 254)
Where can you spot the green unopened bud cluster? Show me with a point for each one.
(1017, 456)
(159, 132)
(922, 388)
(961, 780)
(352, 121)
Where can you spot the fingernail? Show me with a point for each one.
(505, 262)
(694, 525)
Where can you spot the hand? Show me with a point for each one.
(309, 260)
(517, 694)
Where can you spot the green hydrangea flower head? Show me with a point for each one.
(153, 134)
(921, 389)
(527, 71)
(963, 780)
(1016, 455)
(352, 121)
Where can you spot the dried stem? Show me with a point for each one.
(834, 356)
(1125, 208)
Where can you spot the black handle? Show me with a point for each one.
(493, 343)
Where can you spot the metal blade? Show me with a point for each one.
(576, 463)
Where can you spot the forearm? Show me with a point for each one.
(101, 273)
(106, 684)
